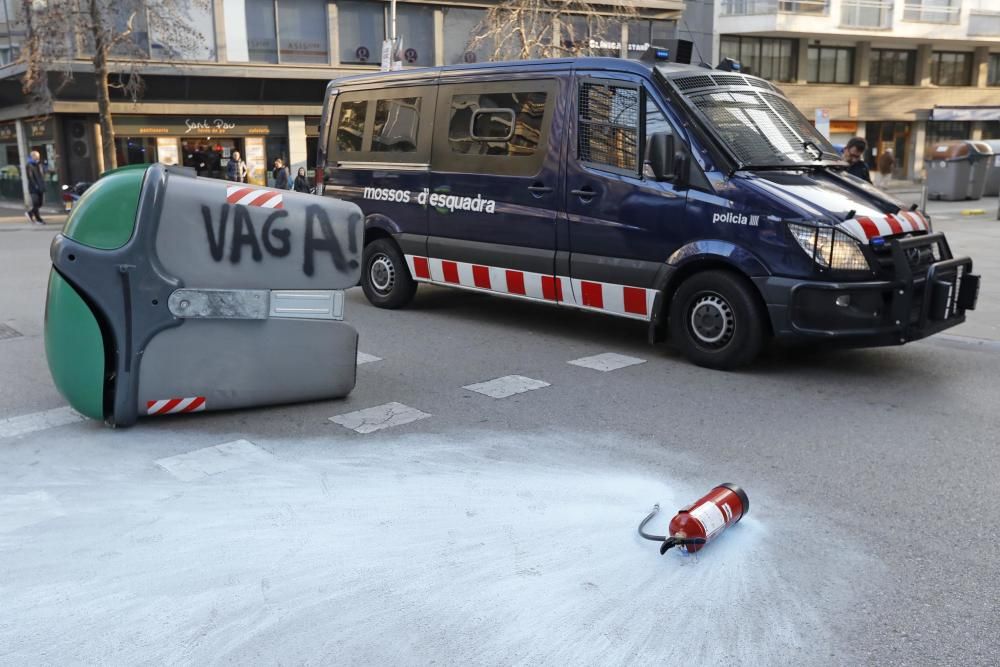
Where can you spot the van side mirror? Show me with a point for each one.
(661, 155)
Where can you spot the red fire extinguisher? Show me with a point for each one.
(702, 521)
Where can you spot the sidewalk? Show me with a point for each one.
(13, 218)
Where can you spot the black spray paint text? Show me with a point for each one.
(276, 239)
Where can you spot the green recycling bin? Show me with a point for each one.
(171, 293)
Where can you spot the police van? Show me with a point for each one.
(698, 200)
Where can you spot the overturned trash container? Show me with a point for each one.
(171, 293)
(992, 188)
(956, 170)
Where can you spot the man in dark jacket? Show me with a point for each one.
(36, 186)
(854, 155)
(280, 174)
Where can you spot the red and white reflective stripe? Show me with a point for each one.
(238, 194)
(866, 227)
(173, 406)
(635, 302)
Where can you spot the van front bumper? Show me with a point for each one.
(916, 304)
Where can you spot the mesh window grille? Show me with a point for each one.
(749, 127)
(609, 126)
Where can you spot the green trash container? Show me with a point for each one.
(171, 293)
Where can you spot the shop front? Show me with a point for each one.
(40, 136)
(204, 143)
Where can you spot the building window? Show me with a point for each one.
(890, 67)
(361, 26)
(945, 130)
(302, 32)
(460, 25)
(994, 73)
(608, 133)
(765, 57)
(950, 68)
(262, 35)
(830, 64)
(415, 24)
(991, 129)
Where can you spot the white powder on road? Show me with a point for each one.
(38, 421)
(209, 461)
(506, 386)
(608, 361)
(477, 549)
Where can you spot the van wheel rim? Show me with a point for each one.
(712, 321)
(382, 274)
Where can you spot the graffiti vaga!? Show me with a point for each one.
(276, 238)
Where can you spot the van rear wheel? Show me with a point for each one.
(385, 278)
(717, 321)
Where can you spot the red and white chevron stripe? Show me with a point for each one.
(173, 406)
(623, 300)
(240, 194)
(865, 228)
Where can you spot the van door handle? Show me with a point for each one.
(585, 193)
(539, 189)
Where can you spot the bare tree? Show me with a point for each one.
(525, 29)
(114, 36)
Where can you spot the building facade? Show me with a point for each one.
(904, 74)
(254, 84)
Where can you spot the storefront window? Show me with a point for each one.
(991, 129)
(994, 72)
(361, 27)
(415, 24)
(262, 39)
(638, 38)
(459, 26)
(945, 130)
(606, 39)
(135, 150)
(574, 34)
(302, 31)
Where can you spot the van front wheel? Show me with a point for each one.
(385, 277)
(717, 321)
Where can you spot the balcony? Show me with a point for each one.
(984, 22)
(932, 11)
(868, 14)
(757, 7)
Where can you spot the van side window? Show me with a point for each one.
(496, 123)
(498, 127)
(351, 126)
(397, 123)
(608, 126)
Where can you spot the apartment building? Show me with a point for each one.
(905, 74)
(255, 83)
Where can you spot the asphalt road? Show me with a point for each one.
(502, 530)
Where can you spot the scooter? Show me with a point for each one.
(71, 193)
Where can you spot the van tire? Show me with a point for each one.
(717, 321)
(385, 278)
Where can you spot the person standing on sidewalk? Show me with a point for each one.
(36, 186)
(885, 164)
(280, 174)
(854, 155)
(236, 170)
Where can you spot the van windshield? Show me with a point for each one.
(753, 121)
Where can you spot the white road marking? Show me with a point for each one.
(209, 461)
(38, 421)
(379, 417)
(609, 361)
(26, 509)
(364, 358)
(506, 386)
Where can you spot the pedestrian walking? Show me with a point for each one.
(280, 173)
(854, 155)
(301, 182)
(885, 164)
(236, 170)
(36, 186)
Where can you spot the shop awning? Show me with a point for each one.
(965, 113)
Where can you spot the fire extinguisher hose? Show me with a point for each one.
(667, 541)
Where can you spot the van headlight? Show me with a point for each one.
(830, 248)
